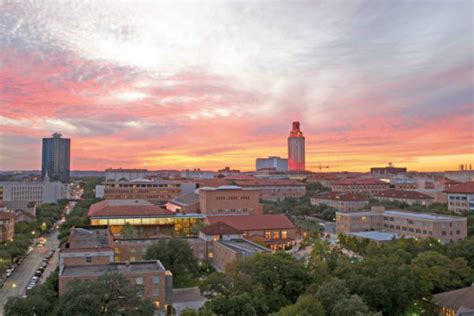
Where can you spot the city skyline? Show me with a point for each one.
(208, 85)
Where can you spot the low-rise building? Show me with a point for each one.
(275, 190)
(404, 196)
(124, 174)
(275, 231)
(343, 202)
(458, 302)
(147, 218)
(157, 192)
(375, 236)
(41, 192)
(325, 179)
(186, 204)
(387, 172)
(89, 254)
(420, 225)
(7, 226)
(461, 197)
(229, 200)
(276, 163)
(361, 185)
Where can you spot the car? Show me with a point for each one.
(30, 249)
(44, 264)
(38, 273)
(9, 272)
(35, 278)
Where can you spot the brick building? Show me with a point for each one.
(405, 223)
(229, 200)
(404, 196)
(362, 186)
(89, 253)
(343, 202)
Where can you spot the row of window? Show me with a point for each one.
(276, 235)
(233, 198)
(458, 197)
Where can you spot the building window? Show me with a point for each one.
(443, 233)
(268, 235)
(88, 259)
(132, 258)
(276, 235)
(139, 280)
(156, 292)
(156, 279)
(210, 255)
(284, 234)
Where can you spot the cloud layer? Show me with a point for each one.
(168, 85)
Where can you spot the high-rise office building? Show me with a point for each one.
(56, 158)
(296, 151)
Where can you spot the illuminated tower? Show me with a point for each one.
(296, 149)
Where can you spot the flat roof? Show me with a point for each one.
(115, 267)
(362, 213)
(244, 246)
(427, 216)
(375, 235)
(88, 238)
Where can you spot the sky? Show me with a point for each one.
(176, 85)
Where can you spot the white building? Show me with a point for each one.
(41, 192)
(461, 197)
(124, 174)
(274, 162)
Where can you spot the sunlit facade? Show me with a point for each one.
(296, 149)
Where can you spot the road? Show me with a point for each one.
(16, 284)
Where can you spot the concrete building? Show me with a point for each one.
(387, 172)
(56, 158)
(296, 149)
(375, 236)
(229, 200)
(197, 174)
(404, 196)
(41, 192)
(89, 254)
(458, 302)
(148, 219)
(461, 197)
(157, 192)
(343, 202)
(360, 185)
(7, 226)
(124, 174)
(275, 231)
(272, 162)
(405, 223)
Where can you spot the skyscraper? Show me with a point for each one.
(56, 158)
(296, 152)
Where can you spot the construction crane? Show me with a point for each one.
(320, 167)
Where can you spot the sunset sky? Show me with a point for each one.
(166, 85)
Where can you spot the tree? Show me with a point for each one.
(130, 231)
(175, 254)
(437, 273)
(110, 294)
(352, 305)
(462, 248)
(306, 305)
(233, 305)
(330, 292)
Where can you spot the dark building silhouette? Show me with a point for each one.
(56, 158)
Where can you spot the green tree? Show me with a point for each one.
(175, 254)
(352, 305)
(233, 305)
(462, 248)
(330, 292)
(110, 294)
(306, 305)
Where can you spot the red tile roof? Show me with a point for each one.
(359, 181)
(254, 222)
(403, 194)
(133, 208)
(337, 196)
(323, 176)
(464, 188)
(5, 216)
(269, 182)
(220, 228)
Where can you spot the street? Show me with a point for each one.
(16, 284)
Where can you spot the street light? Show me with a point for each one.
(14, 285)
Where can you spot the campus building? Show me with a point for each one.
(275, 190)
(56, 158)
(360, 185)
(41, 192)
(229, 200)
(405, 223)
(157, 192)
(458, 302)
(124, 174)
(272, 162)
(461, 197)
(296, 149)
(148, 219)
(89, 254)
(343, 202)
(404, 196)
(7, 226)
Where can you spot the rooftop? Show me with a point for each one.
(338, 196)
(6, 216)
(456, 299)
(254, 222)
(132, 208)
(464, 188)
(427, 216)
(220, 228)
(90, 237)
(375, 235)
(359, 181)
(186, 199)
(403, 194)
(115, 267)
(243, 246)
